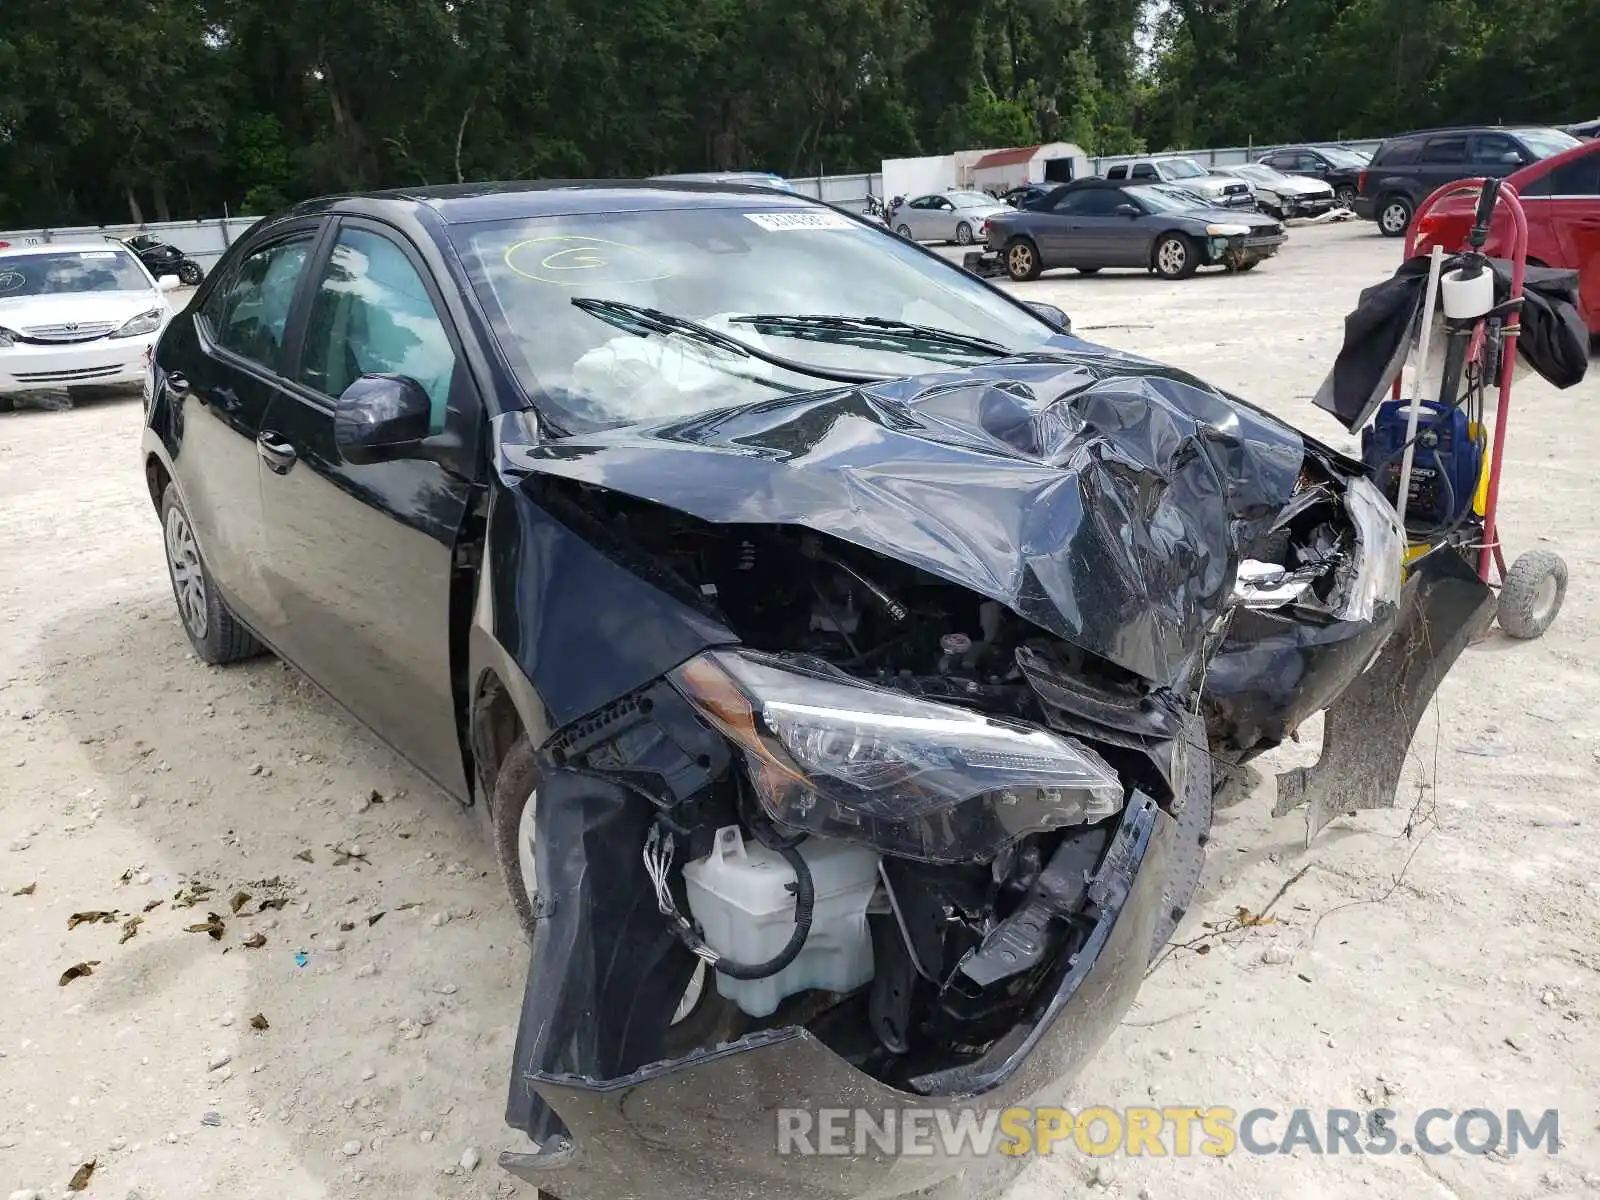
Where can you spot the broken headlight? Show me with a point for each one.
(851, 762)
(1381, 545)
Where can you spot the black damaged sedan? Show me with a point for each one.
(836, 651)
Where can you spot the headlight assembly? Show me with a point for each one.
(145, 322)
(848, 761)
(1381, 545)
(1227, 230)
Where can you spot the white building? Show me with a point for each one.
(989, 170)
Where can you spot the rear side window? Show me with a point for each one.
(250, 316)
(1145, 171)
(371, 315)
(1450, 149)
(1118, 172)
(1401, 152)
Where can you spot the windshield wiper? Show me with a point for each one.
(879, 327)
(637, 319)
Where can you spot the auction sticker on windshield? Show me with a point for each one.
(777, 222)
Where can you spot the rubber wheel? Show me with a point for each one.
(1022, 260)
(189, 273)
(904, 231)
(963, 234)
(215, 633)
(1345, 197)
(7, 404)
(1175, 257)
(707, 1018)
(1188, 859)
(1087, 270)
(1394, 216)
(1532, 593)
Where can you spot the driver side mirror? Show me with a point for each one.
(169, 283)
(1053, 316)
(1128, 210)
(381, 417)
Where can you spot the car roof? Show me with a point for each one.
(74, 246)
(1526, 125)
(468, 203)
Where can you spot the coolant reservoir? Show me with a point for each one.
(739, 894)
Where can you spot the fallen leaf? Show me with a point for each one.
(25, 890)
(92, 917)
(346, 926)
(305, 856)
(343, 857)
(130, 927)
(408, 905)
(212, 925)
(126, 876)
(259, 1021)
(80, 1177)
(374, 918)
(188, 899)
(255, 941)
(1203, 948)
(78, 971)
(275, 902)
(376, 797)
(240, 899)
(153, 905)
(1248, 919)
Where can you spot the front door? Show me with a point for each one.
(1571, 210)
(221, 388)
(359, 558)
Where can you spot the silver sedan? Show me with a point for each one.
(946, 216)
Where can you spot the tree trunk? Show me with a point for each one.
(163, 212)
(134, 211)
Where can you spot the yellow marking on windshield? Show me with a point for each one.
(572, 259)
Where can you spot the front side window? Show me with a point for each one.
(1450, 150)
(547, 281)
(1145, 171)
(1118, 172)
(1578, 177)
(371, 315)
(61, 272)
(1094, 202)
(251, 314)
(1494, 149)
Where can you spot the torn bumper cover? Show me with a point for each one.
(709, 1124)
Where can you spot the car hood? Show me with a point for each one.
(1301, 185)
(24, 312)
(987, 210)
(1098, 495)
(1232, 216)
(1211, 183)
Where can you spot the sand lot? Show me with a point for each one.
(129, 771)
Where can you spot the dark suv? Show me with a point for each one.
(1406, 169)
(1339, 168)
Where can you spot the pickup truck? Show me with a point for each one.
(1223, 190)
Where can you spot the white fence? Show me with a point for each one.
(204, 241)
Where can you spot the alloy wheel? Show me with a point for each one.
(528, 865)
(1395, 218)
(1171, 257)
(188, 576)
(1020, 260)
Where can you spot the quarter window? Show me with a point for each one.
(371, 315)
(251, 315)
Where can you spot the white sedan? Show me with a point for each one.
(74, 314)
(1283, 195)
(947, 217)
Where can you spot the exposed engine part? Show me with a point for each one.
(812, 548)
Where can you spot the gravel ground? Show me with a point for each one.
(1456, 968)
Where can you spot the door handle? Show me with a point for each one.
(278, 454)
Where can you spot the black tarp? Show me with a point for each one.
(1554, 339)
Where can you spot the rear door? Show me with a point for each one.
(1442, 159)
(360, 557)
(1564, 215)
(243, 344)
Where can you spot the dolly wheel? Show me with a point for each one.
(1532, 594)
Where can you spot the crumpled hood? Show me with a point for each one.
(1100, 496)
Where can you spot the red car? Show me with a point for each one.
(1561, 196)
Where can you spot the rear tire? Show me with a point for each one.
(1345, 197)
(1022, 260)
(1394, 216)
(215, 633)
(1175, 257)
(1532, 594)
(7, 404)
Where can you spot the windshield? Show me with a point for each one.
(1183, 168)
(1343, 158)
(1166, 200)
(59, 272)
(1545, 142)
(972, 200)
(1260, 174)
(714, 265)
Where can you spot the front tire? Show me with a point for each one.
(904, 231)
(963, 234)
(1022, 260)
(1175, 257)
(215, 633)
(702, 1016)
(189, 273)
(1345, 197)
(1394, 216)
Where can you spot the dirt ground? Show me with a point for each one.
(1457, 968)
